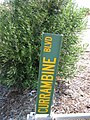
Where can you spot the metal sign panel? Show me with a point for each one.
(50, 50)
(76, 116)
(72, 116)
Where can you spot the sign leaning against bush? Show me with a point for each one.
(50, 49)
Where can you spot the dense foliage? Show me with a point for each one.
(21, 26)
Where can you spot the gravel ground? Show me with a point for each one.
(71, 96)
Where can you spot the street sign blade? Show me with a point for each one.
(50, 52)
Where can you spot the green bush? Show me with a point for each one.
(21, 26)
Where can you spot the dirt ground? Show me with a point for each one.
(71, 96)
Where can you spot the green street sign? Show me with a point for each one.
(50, 51)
